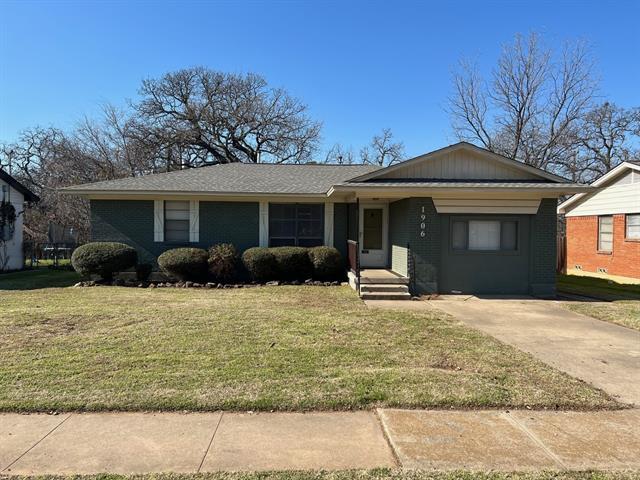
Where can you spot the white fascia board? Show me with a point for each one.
(564, 207)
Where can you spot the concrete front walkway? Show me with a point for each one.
(130, 443)
(600, 353)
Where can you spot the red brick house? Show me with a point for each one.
(603, 227)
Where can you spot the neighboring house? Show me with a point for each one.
(11, 236)
(459, 219)
(603, 227)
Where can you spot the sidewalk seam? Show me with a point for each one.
(215, 430)
(516, 423)
(36, 444)
(387, 437)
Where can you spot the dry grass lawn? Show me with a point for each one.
(378, 474)
(266, 348)
(612, 302)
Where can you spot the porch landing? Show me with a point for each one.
(380, 284)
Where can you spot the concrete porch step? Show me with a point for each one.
(387, 280)
(385, 295)
(384, 287)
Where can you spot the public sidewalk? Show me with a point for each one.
(199, 442)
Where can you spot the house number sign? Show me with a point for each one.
(423, 224)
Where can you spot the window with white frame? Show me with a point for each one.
(176, 221)
(605, 233)
(484, 235)
(632, 228)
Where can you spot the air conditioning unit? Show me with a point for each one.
(602, 270)
(577, 267)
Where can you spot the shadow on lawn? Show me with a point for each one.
(37, 279)
(595, 289)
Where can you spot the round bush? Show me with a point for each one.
(293, 263)
(260, 264)
(103, 258)
(185, 263)
(327, 263)
(223, 261)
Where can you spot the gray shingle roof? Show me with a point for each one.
(464, 184)
(237, 178)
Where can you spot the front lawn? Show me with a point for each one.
(264, 348)
(612, 302)
(41, 277)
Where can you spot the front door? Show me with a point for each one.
(374, 234)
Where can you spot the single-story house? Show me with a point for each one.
(17, 195)
(603, 226)
(459, 219)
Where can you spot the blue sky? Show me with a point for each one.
(360, 66)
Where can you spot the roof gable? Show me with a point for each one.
(461, 161)
(617, 176)
(29, 196)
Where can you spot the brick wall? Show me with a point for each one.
(544, 228)
(131, 222)
(426, 250)
(399, 235)
(582, 247)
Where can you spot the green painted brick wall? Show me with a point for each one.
(131, 222)
(341, 227)
(398, 235)
(425, 250)
(230, 222)
(542, 267)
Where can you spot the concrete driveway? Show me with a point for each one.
(600, 353)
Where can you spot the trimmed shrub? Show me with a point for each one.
(185, 263)
(103, 258)
(223, 261)
(260, 263)
(143, 270)
(327, 263)
(293, 263)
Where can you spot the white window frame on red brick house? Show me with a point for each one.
(600, 232)
(627, 237)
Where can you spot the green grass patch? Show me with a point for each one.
(264, 348)
(38, 278)
(613, 302)
(597, 287)
(378, 474)
(620, 312)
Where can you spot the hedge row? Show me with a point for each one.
(220, 263)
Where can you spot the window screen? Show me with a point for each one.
(176, 221)
(633, 226)
(484, 235)
(296, 224)
(605, 233)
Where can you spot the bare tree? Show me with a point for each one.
(608, 136)
(214, 117)
(531, 108)
(382, 150)
(339, 154)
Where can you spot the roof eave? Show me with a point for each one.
(165, 193)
